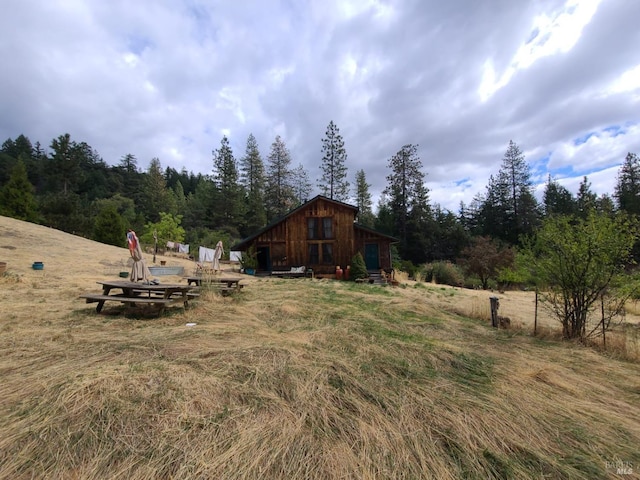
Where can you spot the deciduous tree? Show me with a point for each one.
(579, 262)
(484, 258)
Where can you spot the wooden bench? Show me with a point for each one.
(292, 273)
(94, 297)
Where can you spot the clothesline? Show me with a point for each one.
(178, 247)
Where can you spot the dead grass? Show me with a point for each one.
(292, 379)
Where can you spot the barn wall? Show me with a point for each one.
(288, 241)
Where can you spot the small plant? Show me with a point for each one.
(358, 267)
(249, 259)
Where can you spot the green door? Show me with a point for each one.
(371, 256)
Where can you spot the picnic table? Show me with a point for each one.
(136, 294)
(225, 284)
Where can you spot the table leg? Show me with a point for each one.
(105, 291)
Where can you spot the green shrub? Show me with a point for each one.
(426, 272)
(409, 268)
(358, 268)
(473, 282)
(447, 273)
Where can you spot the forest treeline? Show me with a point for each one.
(71, 188)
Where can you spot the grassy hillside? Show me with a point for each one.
(290, 379)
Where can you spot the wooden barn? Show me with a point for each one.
(320, 234)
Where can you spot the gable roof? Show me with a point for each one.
(244, 243)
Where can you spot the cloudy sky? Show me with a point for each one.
(460, 78)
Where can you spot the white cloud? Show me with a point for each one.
(600, 150)
(551, 34)
(168, 79)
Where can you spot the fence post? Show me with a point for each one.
(535, 315)
(495, 304)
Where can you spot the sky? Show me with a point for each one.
(459, 78)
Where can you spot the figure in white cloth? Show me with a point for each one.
(139, 270)
(217, 255)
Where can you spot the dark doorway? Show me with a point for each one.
(264, 259)
(371, 256)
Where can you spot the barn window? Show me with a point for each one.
(314, 254)
(319, 228)
(327, 228)
(327, 253)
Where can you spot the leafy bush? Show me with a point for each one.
(426, 272)
(408, 267)
(447, 273)
(472, 282)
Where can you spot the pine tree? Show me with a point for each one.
(627, 190)
(408, 196)
(17, 196)
(301, 184)
(363, 200)
(156, 196)
(521, 209)
(67, 162)
(228, 201)
(333, 183)
(279, 189)
(586, 200)
(557, 200)
(509, 209)
(253, 178)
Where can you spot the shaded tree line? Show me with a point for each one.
(71, 188)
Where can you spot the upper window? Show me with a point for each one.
(319, 228)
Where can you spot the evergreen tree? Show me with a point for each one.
(384, 219)
(109, 226)
(494, 219)
(200, 204)
(627, 189)
(520, 207)
(509, 208)
(253, 178)
(156, 196)
(557, 200)
(131, 179)
(363, 200)
(17, 198)
(10, 151)
(279, 190)
(181, 199)
(126, 209)
(229, 195)
(67, 163)
(447, 236)
(586, 200)
(408, 196)
(333, 183)
(301, 184)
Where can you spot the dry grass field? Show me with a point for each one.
(294, 379)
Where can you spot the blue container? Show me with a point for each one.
(37, 266)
